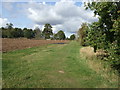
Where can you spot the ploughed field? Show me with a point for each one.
(22, 43)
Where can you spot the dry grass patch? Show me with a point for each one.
(88, 52)
(98, 65)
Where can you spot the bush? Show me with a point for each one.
(114, 55)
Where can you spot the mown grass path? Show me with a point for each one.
(49, 66)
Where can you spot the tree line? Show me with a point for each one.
(104, 34)
(47, 33)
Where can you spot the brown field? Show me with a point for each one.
(22, 43)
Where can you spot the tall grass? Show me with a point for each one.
(99, 66)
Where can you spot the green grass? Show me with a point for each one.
(41, 67)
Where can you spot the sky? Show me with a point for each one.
(66, 15)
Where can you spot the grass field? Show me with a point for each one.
(50, 66)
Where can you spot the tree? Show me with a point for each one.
(20, 32)
(61, 35)
(37, 33)
(94, 36)
(28, 33)
(9, 25)
(47, 32)
(82, 33)
(17, 32)
(72, 37)
(55, 36)
(108, 28)
(108, 12)
(4, 32)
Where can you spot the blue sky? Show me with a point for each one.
(15, 14)
(62, 15)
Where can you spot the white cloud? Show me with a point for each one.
(41, 13)
(59, 0)
(64, 15)
(3, 22)
(41, 27)
(43, 3)
(35, 26)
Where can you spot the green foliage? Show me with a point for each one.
(10, 32)
(4, 32)
(105, 33)
(114, 47)
(82, 34)
(108, 13)
(17, 32)
(47, 32)
(61, 35)
(28, 33)
(37, 33)
(9, 25)
(94, 36)
(72, 37)
(55, 36)
(114, 55)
